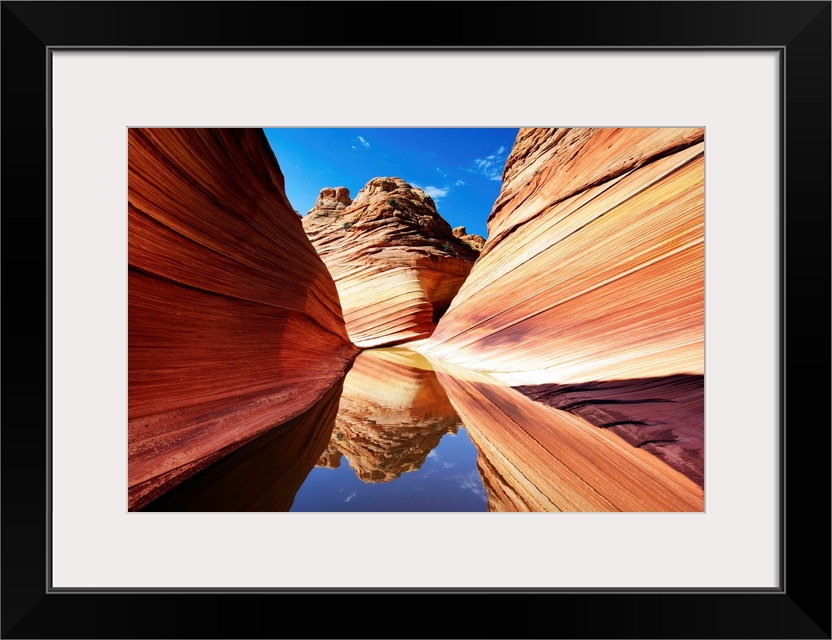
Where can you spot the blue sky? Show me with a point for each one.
(461, 169)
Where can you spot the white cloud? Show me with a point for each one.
(459, 183)
(491, 166)
(351, 496)
(433, 192)
(363, 142)
(473, 483)
(433, 454)
(441, 173)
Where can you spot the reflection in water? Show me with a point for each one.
(447, 480)
(395, 428)
(393, 413)
(665, 416)
(390, 437)
(537, 458)
(263, 475)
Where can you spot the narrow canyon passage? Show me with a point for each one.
(368, 356)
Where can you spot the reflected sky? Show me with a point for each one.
(448, 480)
(401, 433)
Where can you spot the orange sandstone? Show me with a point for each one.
(395, 260)
(594, 264)
(234, 322)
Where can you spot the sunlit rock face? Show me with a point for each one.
(393, 413)
(234, 321)
(533, 457)
(594, 264)
(394, 259)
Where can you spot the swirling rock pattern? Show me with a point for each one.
(594, 264)
(264, 474)
(394, 259)
(664, 416)
(533, 457)
(234, 322)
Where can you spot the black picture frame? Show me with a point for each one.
(799, 608)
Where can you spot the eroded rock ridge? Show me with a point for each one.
(396, 262)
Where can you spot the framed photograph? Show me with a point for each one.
(85, 557)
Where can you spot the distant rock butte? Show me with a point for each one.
(594, 264)
(471, 239)
(396, 262)
(234, 321)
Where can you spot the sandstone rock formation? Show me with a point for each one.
(395, 261)
(572, 353)
(594, 265)
(664, 416)
(234, 322)
(471, 239)
(533, 457)
(393, 413)
(264, 474)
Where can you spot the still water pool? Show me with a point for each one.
(393, 435)
(448, 480)
(384, 438)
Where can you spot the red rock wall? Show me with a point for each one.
(594, 264)
(266, 473)
(234, 321)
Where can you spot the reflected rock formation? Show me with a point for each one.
(570, 343)
(594, 264)
(533, 457)
(266, 473)
(396, 262)
(588, 295)
(234, 321)
(393, 413)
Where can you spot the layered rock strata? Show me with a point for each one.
(533, 457)
(264, 474)
(234, 321)
(594, 264)
(395, 261)
(664, 416)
